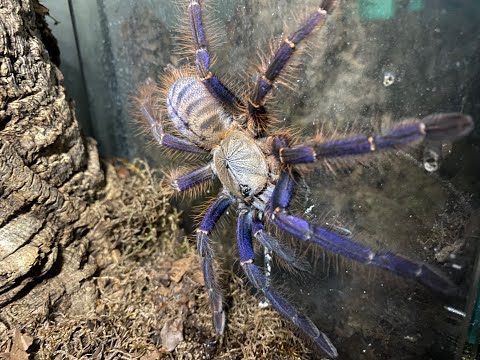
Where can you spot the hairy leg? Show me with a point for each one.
(284, 252)
(203, 59)
(344, 246)
(436, 127)
(258, 279)
(205, 250)
(193, 178)
(146, 107)
(258, 119)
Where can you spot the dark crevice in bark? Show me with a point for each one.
(50, 42)
(4, 122)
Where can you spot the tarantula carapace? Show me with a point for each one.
(258, 166)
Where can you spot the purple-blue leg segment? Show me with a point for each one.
(305, 231)
(279, 142)
(244, 236)
(258, 279)
(199, 38)
(279, 303)
(447, 126)
(205, 250)
(167, 140)
(283, 192)
(281, 250)
(214, 212)
(264, 83)
(221, 92)
(436, 127)
(193, 178)
(213, 84)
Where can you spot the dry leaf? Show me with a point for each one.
(172, 334)
(21, 343)
(180, 267)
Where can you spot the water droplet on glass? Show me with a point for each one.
(388, 78)
(431, 159)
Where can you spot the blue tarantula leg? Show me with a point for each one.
(193, 178)
(306, 231)
(176, 143)
(221, 92)
(436, 127)
(281, 250)
(258, 279)
(199, 38)
(204, 249)
(447, 127)
(264, 83)
(165, 139)
(267, 265)
(397, 264)
(213, 84)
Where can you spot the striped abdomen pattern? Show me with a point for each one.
(196, 114)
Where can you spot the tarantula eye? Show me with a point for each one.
(245, 190)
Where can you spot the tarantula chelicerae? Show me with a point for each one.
(258, 166)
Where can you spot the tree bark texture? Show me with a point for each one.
(50, 176)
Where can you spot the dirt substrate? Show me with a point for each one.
(147, 300)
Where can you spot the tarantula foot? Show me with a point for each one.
(219, 322)
(449, 126)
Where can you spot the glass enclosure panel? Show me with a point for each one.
(374, 63)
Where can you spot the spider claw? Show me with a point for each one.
(447, 127)
(436, 280)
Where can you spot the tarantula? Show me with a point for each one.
(258, 167)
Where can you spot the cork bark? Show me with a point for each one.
(50, 176)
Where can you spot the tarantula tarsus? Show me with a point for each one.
(258, 166)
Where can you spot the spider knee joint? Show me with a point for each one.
(246, 262)
(280, 156)
(322, 11)
(290, 43)
(371, 141)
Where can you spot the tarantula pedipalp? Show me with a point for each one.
(258, 166)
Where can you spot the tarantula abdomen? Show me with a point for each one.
(195, 113)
